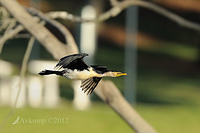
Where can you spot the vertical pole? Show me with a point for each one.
(5, 87)
(88, 33)
(131, 54)
(5, 92)
(51, 91)
(35, 90)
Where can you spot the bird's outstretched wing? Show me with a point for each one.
(88, 85)
(72, 62)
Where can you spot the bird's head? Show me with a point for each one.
(114, 74)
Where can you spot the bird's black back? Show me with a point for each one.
(72, 62)
(100, 69)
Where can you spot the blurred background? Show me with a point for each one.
(162, 60)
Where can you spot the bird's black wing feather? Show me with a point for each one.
(74, 61)
(88, 85)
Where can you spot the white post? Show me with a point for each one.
(5, 68)
(81, 100)
(88, 33)
(35, 91)
(51, 91)
(5, 73)
(5, 92)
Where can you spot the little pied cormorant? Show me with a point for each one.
(73, 67)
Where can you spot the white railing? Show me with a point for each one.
(37, 91)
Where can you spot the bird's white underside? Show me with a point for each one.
(81, 75)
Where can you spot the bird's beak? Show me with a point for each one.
(121, 74)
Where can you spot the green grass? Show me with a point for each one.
(172, 119)
(101, 119)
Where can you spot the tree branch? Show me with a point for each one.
(46, 38)
(24, 67)
(9, 35)
(110, 94)
(170, 15)
(118, 7)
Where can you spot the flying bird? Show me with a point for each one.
(73, 67)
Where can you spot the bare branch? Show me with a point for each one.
(118, 7)
(11, 25)
(10, 35)
(26, 35)
(114, 2)
(37, 30)
(67, 16)
(170, 15)
(110, 94)
(24, 67)
(4, 14)
(5, 23)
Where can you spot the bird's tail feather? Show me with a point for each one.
(48, 72)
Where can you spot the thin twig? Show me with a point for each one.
(4, 23)
(22, 75)
(25, 36)
(170, 15)
(11, 25)
(24, 67)
(10, 35)
(4, 14)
